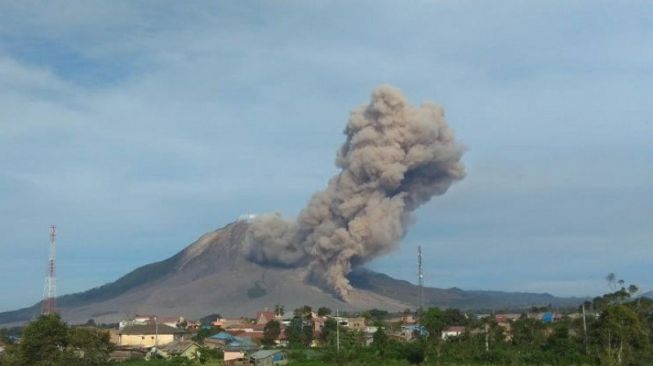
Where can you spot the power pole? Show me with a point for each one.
(585, 330)
(156, 334)
(420, 278)
(50, 287)
(337, 331)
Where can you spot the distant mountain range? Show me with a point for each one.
(213, 276)
(648, 294)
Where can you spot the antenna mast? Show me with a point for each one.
(420, 278)
(50, 287)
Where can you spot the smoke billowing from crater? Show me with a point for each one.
(396, 157)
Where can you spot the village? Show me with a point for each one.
(266, 338)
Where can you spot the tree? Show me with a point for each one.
(303, 312)
(4, 336)
(271, 332)
(619, 333)
(323, 311)
(414, 353)
(329, 328)
(279, 310)
(300, 333)
(434, 322)
(208, 320)
(380, 341)
(375, 316)
(205, 332)
(91, 345)
(528, 332)
(44, 341)
(207, 354)
(563, 348)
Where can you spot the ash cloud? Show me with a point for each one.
(396, 157)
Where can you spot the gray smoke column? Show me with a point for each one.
(396, 157)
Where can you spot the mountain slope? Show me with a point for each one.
(212, 276)
(453, 297)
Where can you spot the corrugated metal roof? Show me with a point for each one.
(264, 353)
(223, 336)
(150, 329)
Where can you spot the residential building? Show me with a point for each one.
(171, 321)
(410, 332)
(453, 331)
(408, 318)
(235, 358)
(268, 358)
(357, 323)
(149, 335)
(263, 317)
(186, 348)
(234, 343)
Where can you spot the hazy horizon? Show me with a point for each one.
(137, 127)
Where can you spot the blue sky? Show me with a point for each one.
(138, 126)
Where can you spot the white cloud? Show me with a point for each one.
(132, 115)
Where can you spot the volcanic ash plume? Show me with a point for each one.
(396, 158)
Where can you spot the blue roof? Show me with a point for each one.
(235, 343)
(416, 328)
(245, 341)
(547, 317)
(223, 336)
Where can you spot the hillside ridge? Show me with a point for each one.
(212, 275)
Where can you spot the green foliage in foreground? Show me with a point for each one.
(619, 333)
(49, 341)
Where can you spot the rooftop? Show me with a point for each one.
(150, 329)
(264, 353)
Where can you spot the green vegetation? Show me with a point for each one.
(271, 332)
(49, 341)
(205, 332)
(617, 331)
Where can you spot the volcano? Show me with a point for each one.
(212, 275)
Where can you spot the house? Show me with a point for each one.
(268, 358)
(410, 332)
(193, 324)
(143, 319)
(186, 348)
(171, 321)
(213, 343)
(550, 317)
(234, 343)
(243, 344)
(223, 337)
(149, 335)
(235, 358)
(453, 331)
(229, 323)
(368, 334)
(408, 318)
(282, 340)
(263, 317)
(507, 317)
(318, 324)
(357, 323)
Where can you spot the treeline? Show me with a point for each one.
(618, 330)
(49, 341)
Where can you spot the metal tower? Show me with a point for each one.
(50, 287)
(420, 278)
